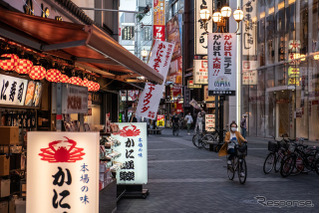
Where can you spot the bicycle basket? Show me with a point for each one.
(273, 146)
(242, 150)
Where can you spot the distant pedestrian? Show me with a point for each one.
(243, 125)
(189, 121)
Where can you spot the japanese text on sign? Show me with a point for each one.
(222, 63)
(200, 71)
(12, 90)
(249, 27)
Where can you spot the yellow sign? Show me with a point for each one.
(294, 81)
(293, 72)
(160, 121)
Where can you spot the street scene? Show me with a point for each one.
(142, 106)
(183, 178)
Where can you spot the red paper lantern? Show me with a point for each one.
(53, 75)
(24, 66)
(9, 64)
(37, 73)
(96, 86)
(75, 81)
(91, 86)
(64, 78)
(85, 82)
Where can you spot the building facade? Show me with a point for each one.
(280, 68)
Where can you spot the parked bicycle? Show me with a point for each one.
(301, 158)
(238, 164)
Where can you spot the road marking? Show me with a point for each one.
(187, 160)
(167, 149)
(214, 180)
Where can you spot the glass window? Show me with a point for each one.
(280, 75)
(261, 104)
(128, 33)
(252, 130)
(147, 34)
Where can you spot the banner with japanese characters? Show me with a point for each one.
(63, 172)
(13, 90)
(210, 122)
(249, 26)
(159, 20)
(74, 99)
(222, 63)
(134, 156)
(200, 71)
(150, 97)
(200, 34)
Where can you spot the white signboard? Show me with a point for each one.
(210, 122)
(249, 72)
(222, 63)
(74, 99)
(133, 149)
(12, 90)
(150, 97)
(200, 35)
(200, 71)
(249, 26)
(63, 172)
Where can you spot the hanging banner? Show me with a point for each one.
(249, 26)
(159, 20)
(13, 90)
(200, 71)
(222, 63)
(200, 35)
(134, 156)
(150, 97)
(63, 172)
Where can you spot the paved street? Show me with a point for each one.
(185, 179)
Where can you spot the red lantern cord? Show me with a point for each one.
(53, 75)
(9, 64)
(37, 73)
(24, 66)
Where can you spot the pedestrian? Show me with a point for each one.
(199, 122)
(243, 125)
(175, 124)
(189, 121)
(233, 137)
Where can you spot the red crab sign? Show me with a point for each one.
(62, 151)
(129, 131)
(63, 172)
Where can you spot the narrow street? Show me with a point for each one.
(185, 179)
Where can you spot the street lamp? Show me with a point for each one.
(220, 17)
(144, 54)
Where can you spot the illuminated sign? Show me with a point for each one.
(133, 149)
(200, 71)
(210, 122)
(13, 90)
(62, 172)
(160, 121)
(159, 20)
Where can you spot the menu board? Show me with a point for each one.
(12, 90)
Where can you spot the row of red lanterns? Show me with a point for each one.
(37, 72)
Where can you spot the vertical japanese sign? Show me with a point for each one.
(210, 122)
(62, 172)
(200, 35)
(159, 20)
(249, 26)
(222, 63)
(150, 97)
(133, 149)
(13, 90)
(74, 99)
(160, 120)
(200, 71)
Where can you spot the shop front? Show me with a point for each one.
(280, 68)
(60, 82)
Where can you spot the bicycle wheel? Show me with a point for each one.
(298, 166)
(277, 164)
(207, 139)
(230, 170)
(287, 166)
(269, 163)
(242, 170)
(196, 140)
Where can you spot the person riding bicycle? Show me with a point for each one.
(232, 137)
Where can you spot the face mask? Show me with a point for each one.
(233, 129)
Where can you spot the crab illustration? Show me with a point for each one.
(129, 132)
(62, 151)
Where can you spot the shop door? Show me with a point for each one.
(282, 113)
